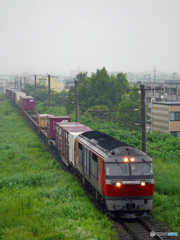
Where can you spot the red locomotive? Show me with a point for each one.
(121, 175)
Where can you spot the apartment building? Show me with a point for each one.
(57, 83)
(166, 117)
(169, 91)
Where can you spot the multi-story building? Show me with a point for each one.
(57, 83)
(169, 91)
(166, 117)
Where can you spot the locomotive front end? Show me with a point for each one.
(129, 182)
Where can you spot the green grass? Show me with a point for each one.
(162, 148)
(167, 177)
(166, 209)
(39, 200)
(166, 204)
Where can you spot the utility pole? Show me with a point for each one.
(35, 86)
(154, 73)
(24, 82)
(17, 83)
(49, 88)
(20, 84)
(143, 117)
(76, 89)
(49, 92)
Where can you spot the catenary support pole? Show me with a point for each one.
(76, 87)
(143, 117)
(35, 86)
(20, 84)
(49, 92)
(24, 81)
(17, 83)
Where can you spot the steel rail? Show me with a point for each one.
(129, 229)
(149, 228)
(134, 234)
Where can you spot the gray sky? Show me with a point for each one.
(55, 36)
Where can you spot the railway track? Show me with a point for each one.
(138, 229)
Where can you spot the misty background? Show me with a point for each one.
(57, 36)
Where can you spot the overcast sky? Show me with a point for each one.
(55, 36)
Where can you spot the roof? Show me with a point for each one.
(24, 97)
(75, 124)
(59, 117)
(167, 103)
(74, 127)
(102, 140)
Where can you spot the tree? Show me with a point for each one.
(99, 89)
(126, 107)
(95, 112)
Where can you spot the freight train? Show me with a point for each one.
(118, 175)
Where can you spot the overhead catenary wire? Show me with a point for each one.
(132, 124)
(128, 122)
(118, 130)
(132, 137)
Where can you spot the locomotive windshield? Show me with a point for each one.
(117, 169)
(141, 169)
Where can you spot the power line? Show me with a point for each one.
(123, 133)
(132, 137)
(116, 129)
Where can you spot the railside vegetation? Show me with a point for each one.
(165, 151)
(39, 200)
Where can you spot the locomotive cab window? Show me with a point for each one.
(117, 169)
(141, 169)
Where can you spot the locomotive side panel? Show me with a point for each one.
(90, 166)
(102, 175)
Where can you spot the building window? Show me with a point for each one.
(173, 91)
(149, 109)
(148, 100)
(166, 90)
(179, 92)
(175, 134)
(157, 89)
(95, 165)
(42, 81)
(174, 116)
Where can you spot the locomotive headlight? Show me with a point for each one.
(143, 183)
(132, 159)
(126, 159)
(118, 184)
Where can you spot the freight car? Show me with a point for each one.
(119, 175)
